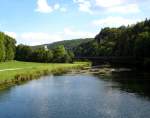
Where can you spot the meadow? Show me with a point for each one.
(16, 71)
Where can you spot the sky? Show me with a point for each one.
(35, 22)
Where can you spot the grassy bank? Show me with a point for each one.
(14, 72)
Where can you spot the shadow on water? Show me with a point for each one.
(6, 89)
(4, 93)
(78, 96)
(131, 82)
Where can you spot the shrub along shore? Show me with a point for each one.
(25, 71)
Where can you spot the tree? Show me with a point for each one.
(42, 55)
(142, 45)
(9, 47)
(59, 54)
(2, 47)
(23, 53)
(71, 56)
(47, 56)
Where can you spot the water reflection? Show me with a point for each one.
(132, 82)
(78, 96)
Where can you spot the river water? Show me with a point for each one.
(122, 95)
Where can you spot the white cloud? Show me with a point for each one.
(114, 22)
(63, 9)
(36, 38)
(56, 6)
(84, 5)
(108, 6)
(130, 8)
(43, 6)
(11, 34)
(108, 3)
(77, 34)
(118, 6)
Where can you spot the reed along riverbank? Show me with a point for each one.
(16, 72)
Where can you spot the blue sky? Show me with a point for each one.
(34, 22)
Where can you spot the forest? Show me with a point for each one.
(57, 55)
(9, 51)
(124, 41)
(68, 44)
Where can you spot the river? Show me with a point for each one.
(122, 95)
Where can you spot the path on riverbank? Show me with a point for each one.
(11, 69)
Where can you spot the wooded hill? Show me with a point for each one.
(68, 44)
(133, 41)
(124, 41)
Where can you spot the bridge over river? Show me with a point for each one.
(111, 59)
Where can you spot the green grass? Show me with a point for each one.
(33, 70)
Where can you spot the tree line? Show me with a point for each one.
(124, 41)
(7, 47)
(133, 41)
(68, 44)
(9, 51)
(57, 55)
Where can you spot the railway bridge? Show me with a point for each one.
(111, 59)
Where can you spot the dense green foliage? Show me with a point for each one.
(130, 41)
(7, 47)
(61, 54)
(23, 53)
(2, 48)
(133, 41)
(62, 51)
(42, 55)
(57, 55)
(68, 44)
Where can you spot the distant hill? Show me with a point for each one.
(68, 44)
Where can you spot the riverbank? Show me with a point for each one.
(15, 72)
(102, 70)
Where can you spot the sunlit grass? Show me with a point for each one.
(29, 70)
